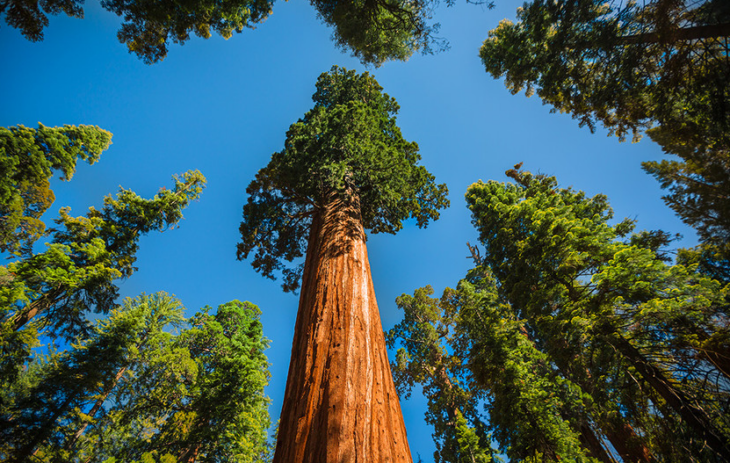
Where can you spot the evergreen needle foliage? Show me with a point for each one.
(581, 339)
(660, 65)
(374, 31)
(349, 145)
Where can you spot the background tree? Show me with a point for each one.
(626, 350)
(660, 65)
(345, 167)
(56, 289)
(195, 397)
(560, 266)
(374, 31)
(29, 158)
(426, 335)
(46, 420)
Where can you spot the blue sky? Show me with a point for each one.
(223, 107)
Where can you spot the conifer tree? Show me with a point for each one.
(198, 396)
(583, 339)
(52, 292)
(28, 160)
(345, 167)
(374, 31)
(47, 420)
(659, 66)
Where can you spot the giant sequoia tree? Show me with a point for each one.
(660, 65)
(345, 167)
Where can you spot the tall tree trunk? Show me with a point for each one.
(34, 308)
(593, 444)
(340, 403)
(630, 447)
(627, 443)
(679, 34)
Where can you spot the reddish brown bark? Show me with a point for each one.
(629, 446)
(695, 417)
(190, 454)
(36, 307)
(592, 443)
(340, 403)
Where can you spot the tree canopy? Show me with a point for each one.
(373, 31)
(660, 66)
(51, 292)
(349, 145)
(625, 65)
(28, 159)
(134, 391)
(578, 335)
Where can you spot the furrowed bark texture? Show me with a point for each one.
(340, 403)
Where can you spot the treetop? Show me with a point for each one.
(348, 144)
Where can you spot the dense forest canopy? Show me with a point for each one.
(126, 387)
(579, 337)
(661, 67)
(373, 31)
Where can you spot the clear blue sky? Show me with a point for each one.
(223, 107)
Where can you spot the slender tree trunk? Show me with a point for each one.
(629, 446)
(681, 34)
(190, 454)
(593, 444)
(627, 443)
(95, 409)
(340, 403)
(35, 307)
(695, 418)
(40, 435)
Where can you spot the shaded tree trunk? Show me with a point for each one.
(627, 443)
(592, 443)
(695, 418)
(630, 446)
(680, 34)
(340, 403)
(40, 305)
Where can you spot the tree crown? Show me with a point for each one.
(348, 144)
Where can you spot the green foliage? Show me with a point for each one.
(201, 392)
(55, 290)
(28, 160)
(348, 145)
(374, 31)
(425, 336)
(50, 411)
(659, 65)
(575, 334)
(381, 30)
(629, 329)
(136, 392)
(607, 62)
(150, 25)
